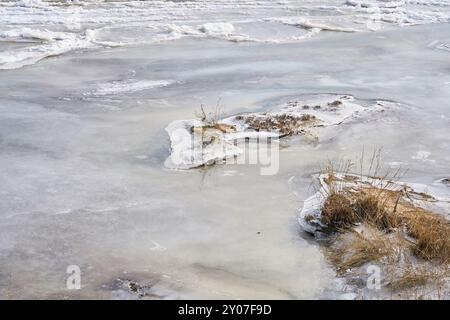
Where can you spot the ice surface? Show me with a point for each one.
(89, 24)
(82, 176)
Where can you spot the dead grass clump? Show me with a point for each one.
(354, 250)
(222, 127)
(210, 123)
(431, 232)
(387, 211)
(331, 176)
(285, 124)
(380, 220)
(369, 208)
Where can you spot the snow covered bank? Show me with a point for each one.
(383, 236)
(195, 143)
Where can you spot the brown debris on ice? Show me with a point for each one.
(372, 220)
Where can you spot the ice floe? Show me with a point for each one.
(118, 87)
(197, 142)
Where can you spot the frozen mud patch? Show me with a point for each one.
(199, 142)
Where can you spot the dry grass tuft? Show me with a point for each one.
(285, 124)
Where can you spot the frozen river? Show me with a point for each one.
(82, 140)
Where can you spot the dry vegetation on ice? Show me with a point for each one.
(376, 220)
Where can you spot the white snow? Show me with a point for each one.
(120, 23)
(53, 44)
(422, 155)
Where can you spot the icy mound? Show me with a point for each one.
(312, 25)
(195, 143)
(217, 29)
(118, 87)
(421, 195)
(49, 43)
(399, 230)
